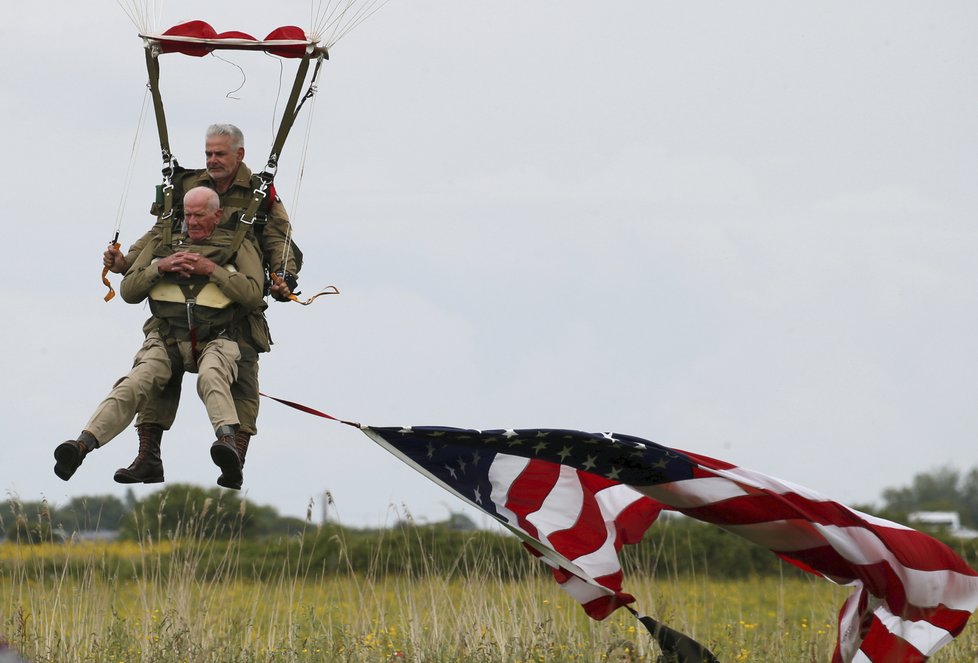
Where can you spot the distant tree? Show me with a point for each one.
(969, 499)
(460, 522)
(939, 490)
(89, 513)
(25, 522)
(183, 510)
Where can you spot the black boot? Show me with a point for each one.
(241, 440)
(147, 467)
(69, 455)
(224, 453)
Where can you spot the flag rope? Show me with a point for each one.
(308, 410)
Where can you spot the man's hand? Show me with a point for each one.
(186, 264)
(114, 260)
(280, 289)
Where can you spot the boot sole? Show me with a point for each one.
(124, 478)
(230, 465)
(224, 483)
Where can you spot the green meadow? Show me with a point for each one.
(405, 594)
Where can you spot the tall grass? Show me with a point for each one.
(198, 594)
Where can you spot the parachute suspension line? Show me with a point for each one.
(126, 186)
(244, 76)
(278, 92)
(339, 17)
(287, 248)
(302, 159)
(130, 169)
(144, 14)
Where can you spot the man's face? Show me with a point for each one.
(222, 161)
(200, 222)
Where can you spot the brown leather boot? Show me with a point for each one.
(69, 455)
(147, 467)
(241, 440)
(224, 453)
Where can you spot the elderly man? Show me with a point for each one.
(201, 299)
(226, 174)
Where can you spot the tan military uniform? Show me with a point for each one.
(227, 297)
(278, 254)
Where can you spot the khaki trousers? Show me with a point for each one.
(152, 370)
(162, 409)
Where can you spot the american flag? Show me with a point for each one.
(574, 498)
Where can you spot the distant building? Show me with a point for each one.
(948, 520)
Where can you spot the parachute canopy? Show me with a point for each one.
(198, 38)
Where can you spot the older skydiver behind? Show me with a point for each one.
(201, 299)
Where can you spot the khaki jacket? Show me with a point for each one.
(243, 285)
(272, 243)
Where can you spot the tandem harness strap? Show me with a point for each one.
(267, 176)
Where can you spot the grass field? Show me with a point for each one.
(143, 601)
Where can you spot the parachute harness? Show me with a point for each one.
(153, 49)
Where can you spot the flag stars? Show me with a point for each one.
(477, 496)
(476, 458)
(539, 446)
(564, 453)
(510, 433)
(543, 433)
(614, 474)
(431, 450)
(451, 471)
(590, 463)
(406, 430)
(436, 433)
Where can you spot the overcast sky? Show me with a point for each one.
(742, 229)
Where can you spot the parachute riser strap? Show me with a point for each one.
(169, 162)
(291, 108)
(288, 119)
(247, 220)
(153, 69)
(313, 87)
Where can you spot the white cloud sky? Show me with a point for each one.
(743, 229)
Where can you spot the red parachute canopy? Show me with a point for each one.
(198, 38)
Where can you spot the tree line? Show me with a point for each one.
(262, 540)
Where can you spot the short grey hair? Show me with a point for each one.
(211, 199)
(229, 130)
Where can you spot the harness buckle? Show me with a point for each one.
(259, 195)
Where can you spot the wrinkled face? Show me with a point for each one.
(222, 160)
(200, 222)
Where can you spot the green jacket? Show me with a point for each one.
(272, 232)
(224, 301)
